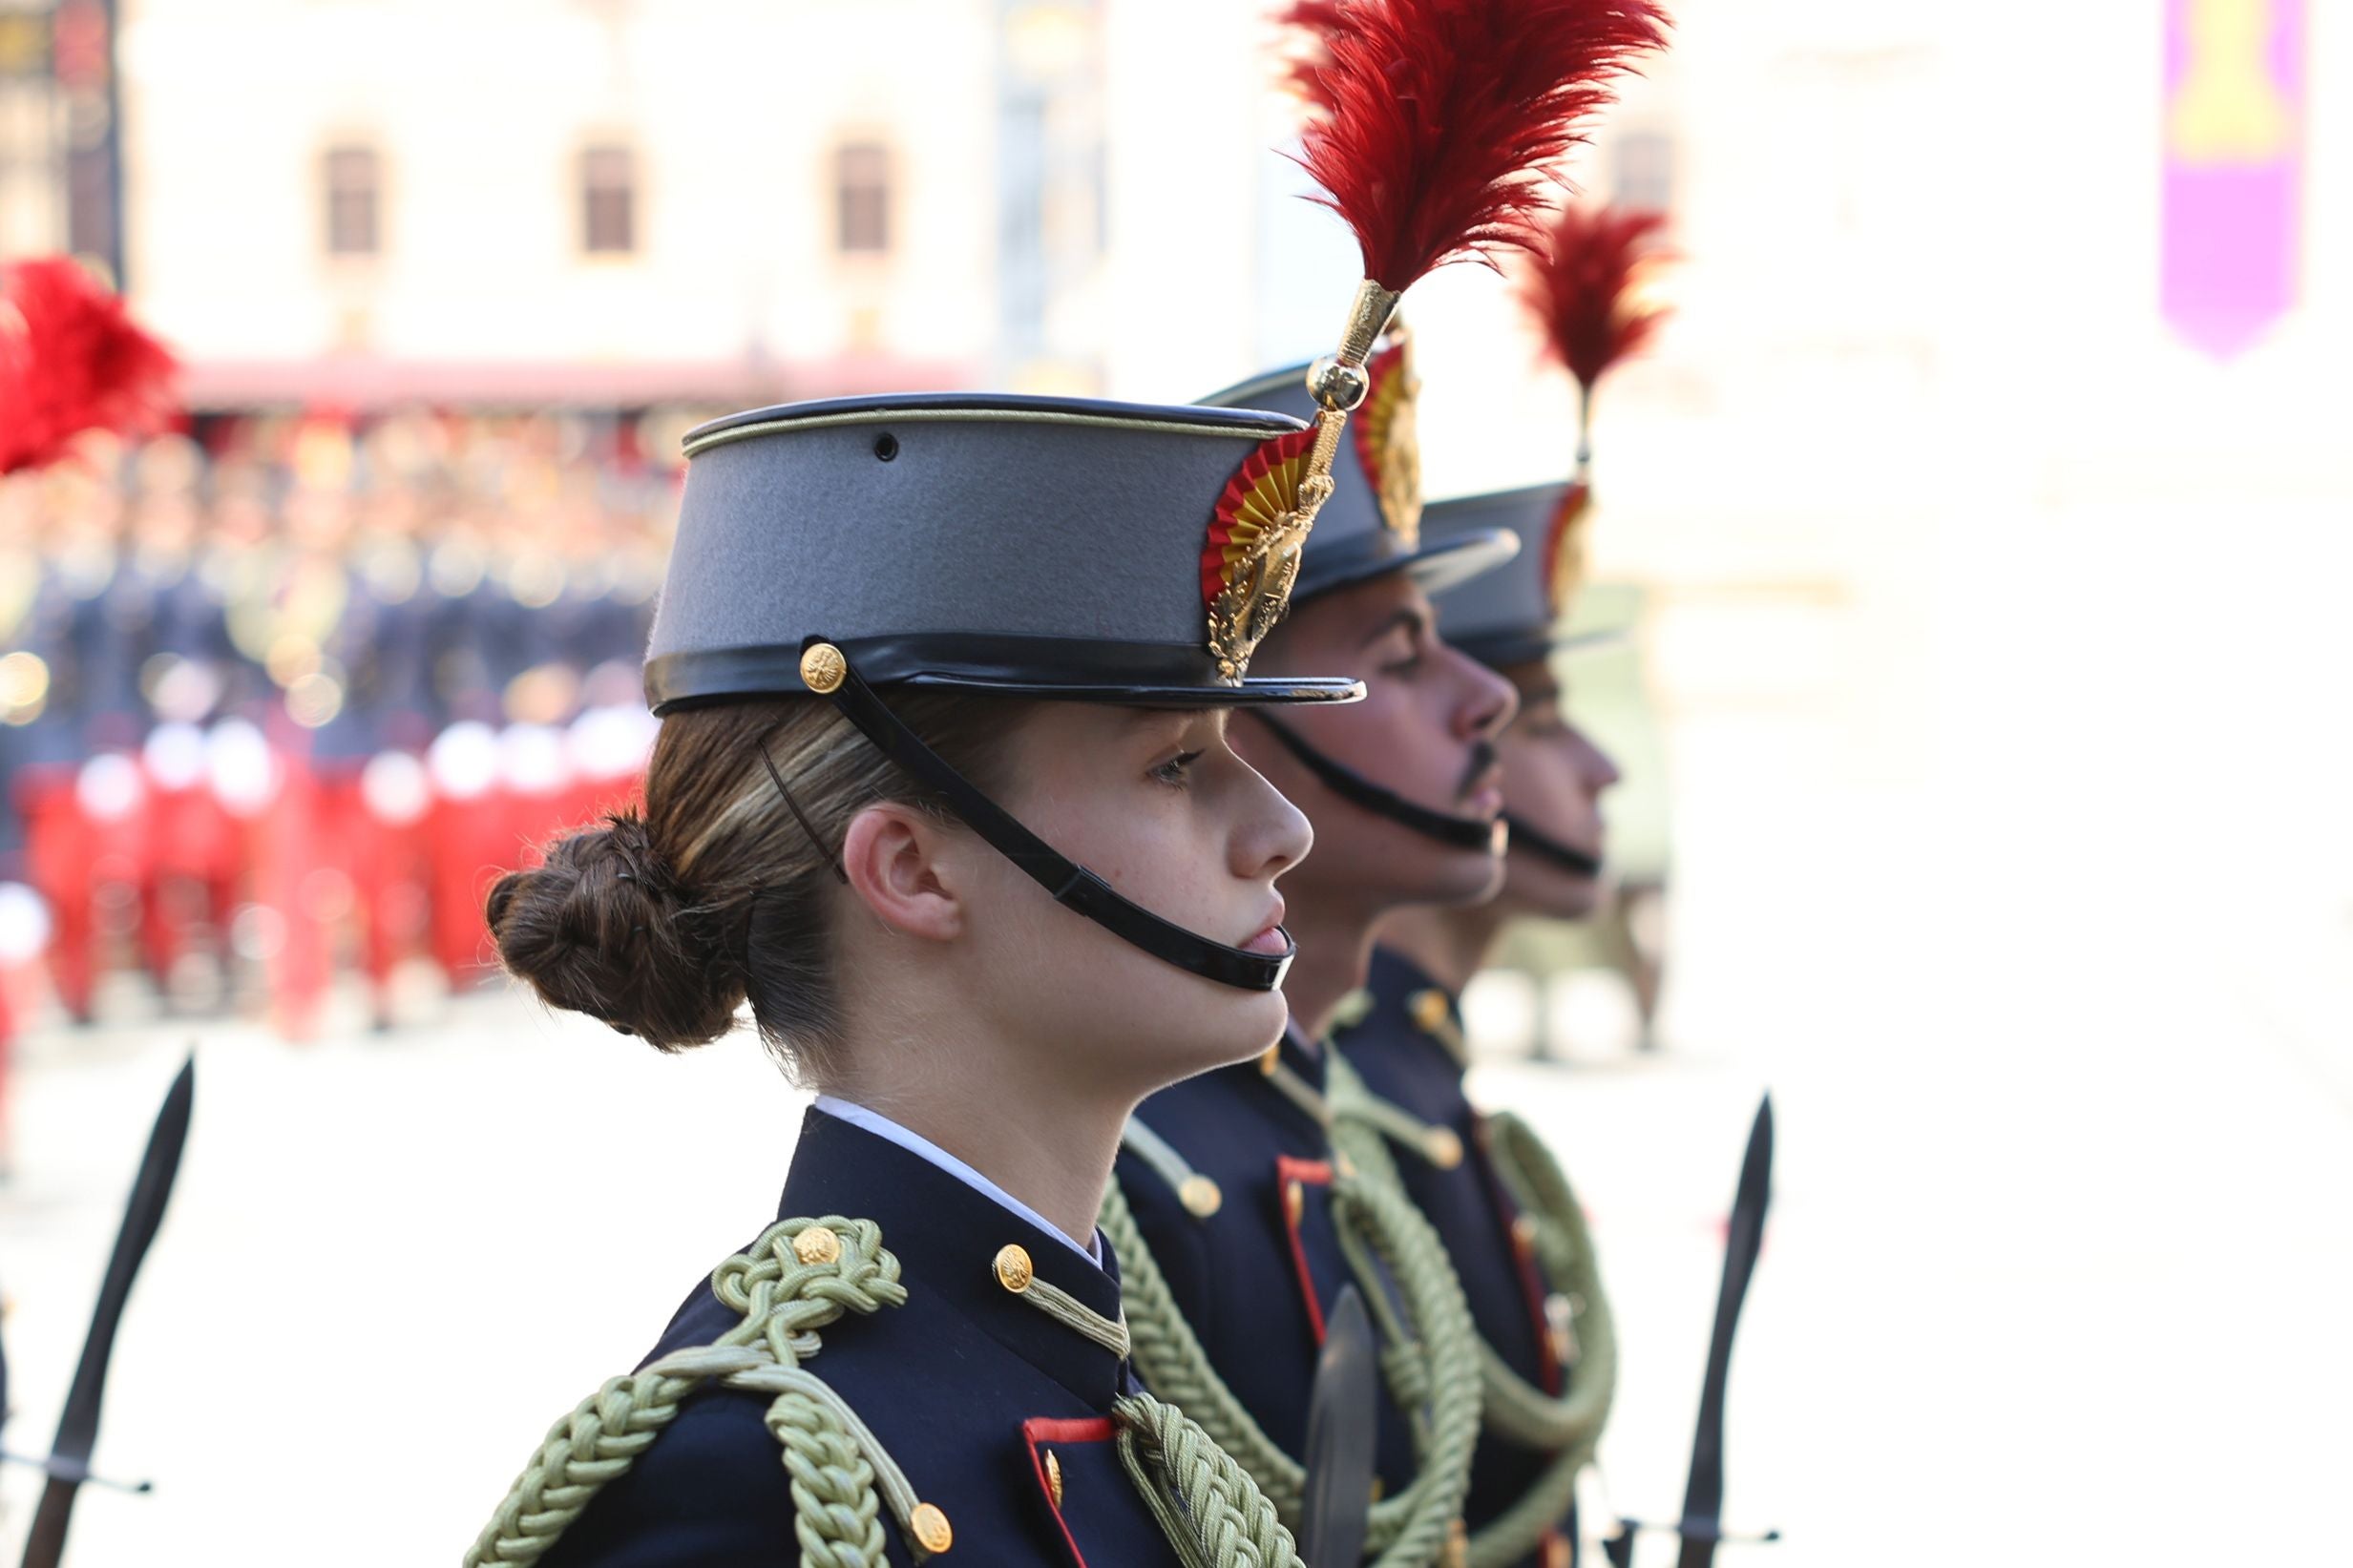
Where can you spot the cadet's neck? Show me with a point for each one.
(1334, 946)
(1449, 945)
(1047, 1138)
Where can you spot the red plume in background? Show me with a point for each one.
(70, 361)
(1441, 118)
(1313, 22)
(1580, 287)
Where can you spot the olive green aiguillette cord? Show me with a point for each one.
(1432, 1373)
(798, 1279)
(1569, 1426)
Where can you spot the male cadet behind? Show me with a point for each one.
(1510, 1222)
(1238, 1224)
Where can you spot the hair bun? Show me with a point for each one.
(603, 928)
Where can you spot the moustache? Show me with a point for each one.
(1483, 757)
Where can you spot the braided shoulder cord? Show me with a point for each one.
(799, 1278)
(1568, 1425)
(1430, 1364)
(1207, 1505)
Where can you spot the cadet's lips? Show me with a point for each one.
(1269, 938)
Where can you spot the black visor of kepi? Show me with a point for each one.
(1371, 527)
(1058, 549)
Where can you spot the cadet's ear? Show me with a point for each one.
(893, 856)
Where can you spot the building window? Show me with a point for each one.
(862, 199)
(354, 198)
(1644, 175)
(608, 201)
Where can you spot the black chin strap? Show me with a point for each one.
(1072, 884)
(1567, 856)
(1456, 832)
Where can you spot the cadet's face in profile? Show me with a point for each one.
(1553, 779)
(1157, 805)
(1425, 731)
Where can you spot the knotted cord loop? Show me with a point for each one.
(797, 1280)
(788, 1291)
(1430, 1360)
(1568, 1425)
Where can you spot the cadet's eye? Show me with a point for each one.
(1173, 771)
(1405, 651)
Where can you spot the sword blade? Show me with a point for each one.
(78, 1428)
(1343, 1419)
(1703, 1495)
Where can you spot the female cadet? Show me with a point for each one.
(927, 668)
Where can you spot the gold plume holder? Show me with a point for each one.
(1339, 384)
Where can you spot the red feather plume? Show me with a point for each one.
(1580, 287)
(1442, 118)
(71, 361)
(1313, 22)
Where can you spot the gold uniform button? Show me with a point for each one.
(1200, 1196)
(1054, 1478)
(930, 1529)
(1271, 1059)
(817, 1245)
(1294, 1202)
(1443, 1147)
(1523, 1230)
(1430, 1010)
(822, 669)
(1012, 1267)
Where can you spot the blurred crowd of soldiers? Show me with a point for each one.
(277, 694)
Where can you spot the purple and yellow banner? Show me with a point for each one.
(2234, 134)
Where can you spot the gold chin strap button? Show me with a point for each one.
(823, 667)
(1443, 1147)
(1294, 1201)
(1200, 1196)
(1429, 1010)
(930, 1529)
(817, 1245)
(1054, 1478)
(1012, 1267)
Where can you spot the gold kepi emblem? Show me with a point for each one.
(1564, 554)
(1262, 520)
(1253, 557)
(1388, 439)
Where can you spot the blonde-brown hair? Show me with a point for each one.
(662, 923)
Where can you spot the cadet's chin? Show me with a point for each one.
(1258, 1018)
(1545, 891)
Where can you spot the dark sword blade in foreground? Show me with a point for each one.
(1342, 1415)
(78, 1428)
(1703, 1495)
(1701, 1527)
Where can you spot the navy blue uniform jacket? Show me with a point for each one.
(1255, 1279)
(1405, 1065)
(968, 1387)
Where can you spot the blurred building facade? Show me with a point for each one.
(606, 202)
